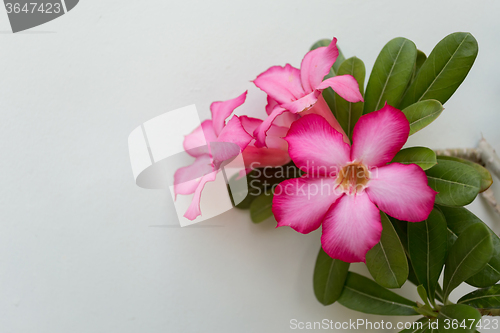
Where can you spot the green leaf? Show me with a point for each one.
(421, 114)
(486, 179)
(468, 256)
(364, 295)
(387, 261)
(348, 113)
(459, 219)
(390, 74)
(427, 242)
(329, 278)
(329, 96)
(421, 156)
(485, 298)
(338, 62)
(444, 70)
(457, 184)
(401, 228)
(421, 58)
(419, 61)
(460, 315)
(423, 294)
(261, 207)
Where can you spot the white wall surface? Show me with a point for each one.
(80, 250)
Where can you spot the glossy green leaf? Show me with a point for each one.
(401, 228)
(457, 184)
(364, 295)
(485, 298)
(421, 114)
(329, 278)
(459, 219)
(444, 70)
(387, 261)
(329, 96)
(427, 241)
(348, 113)
(338, 62)
(421, 156)
(470, 253)
(261, 207)
(421, 58)
(419, 61)
(390, 74)
(423, 294)
(464, 317)
(486, 179)
(439, 293)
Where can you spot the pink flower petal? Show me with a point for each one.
(316, 65)
(271, 104)
(401, 191)
(281, 83)
(222, 110)
(316, 147)
(274, 138)
(321, 108)
(194, 209)
(351, 228)
(187, 178)
(344, 85)
(302, 103)
(301, 203)
(379, 135)
(232, 141)
(261, 157)
(260, 132)
(286, 119)
(195, 144)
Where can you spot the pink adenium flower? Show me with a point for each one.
(208, 143)
(214, 142)
(297, 91)
(345, 186)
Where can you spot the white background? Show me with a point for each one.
(80, 250)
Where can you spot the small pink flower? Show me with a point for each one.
(345, 186)
(214, 142)
(208, 143)
(297, 90)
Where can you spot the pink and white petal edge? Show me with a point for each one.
(316, 147)
(402, 191)
(316, 65)
(378, 136)
(351, 228)
(222, 110)
(281, 83)
(301, 203)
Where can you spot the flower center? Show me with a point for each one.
(353, 178)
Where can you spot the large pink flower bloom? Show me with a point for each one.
(345, 186)
(215, 142)
(297, 90)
